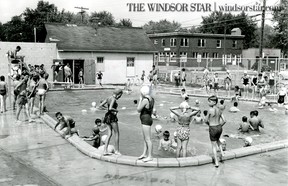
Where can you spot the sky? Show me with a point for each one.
(127, 9)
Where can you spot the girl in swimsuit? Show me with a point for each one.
(228, 83)
(183, 130)
(145, 108)
(245, 82)
(281, 96)
(254, 82)
(111, 120)
(3, 93)
(215, 120)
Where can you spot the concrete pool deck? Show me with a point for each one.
(34, 154)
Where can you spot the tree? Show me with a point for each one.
(220, 23)
(280, 17)
(14, 30)
(125, 23)
(102, 18)
(161, 27)
(2, 34)
(268, 38)
(35, 18)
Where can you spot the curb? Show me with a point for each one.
(92, 152)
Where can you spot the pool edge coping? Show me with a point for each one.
(92, 152)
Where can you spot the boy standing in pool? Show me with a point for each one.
(215, 120)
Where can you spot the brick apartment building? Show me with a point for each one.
(180, 49)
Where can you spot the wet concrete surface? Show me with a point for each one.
(34, 154)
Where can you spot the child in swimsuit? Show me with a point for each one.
(281, 96)
(245, 81)
(3, 93)
(183, 130)
(228, 83)
(111, 119)
(215, 120)
(165, 143)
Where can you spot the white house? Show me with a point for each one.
(119, 53)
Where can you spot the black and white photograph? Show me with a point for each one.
(143, 92)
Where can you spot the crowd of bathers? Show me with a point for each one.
(29, 83)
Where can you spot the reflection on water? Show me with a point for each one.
(131, 139)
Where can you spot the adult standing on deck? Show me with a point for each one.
(99, 77)
(145, 108)
(68, 73)
(183, 78)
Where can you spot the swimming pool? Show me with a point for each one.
(72, 103)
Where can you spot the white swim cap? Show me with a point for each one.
(103, 138)
(245, 71)
(158, 128)
(249, 140)
(145, 90)
(223, 141)
(196, 101)
(184, 105)
(93, 104)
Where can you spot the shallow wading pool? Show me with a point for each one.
(72, 103)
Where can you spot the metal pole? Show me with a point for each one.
(9, 81)
(262, 36)
(34, 34)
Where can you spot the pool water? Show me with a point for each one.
(131, 139)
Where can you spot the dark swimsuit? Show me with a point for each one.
(145, 115)
(281, 99)
(111, 116)
(245, 80)
(215, 132)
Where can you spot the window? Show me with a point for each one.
(130, 61)
(173, 42)
(215, 55)
(155, 41)
(172, 56)
(161, 57)
(218, 44)
(205, 55)
(163, 42)
(184, 42)
(201, 42)
(183, 56)
(234, 44)
(194, 54)
(229, 58)
(100, 59)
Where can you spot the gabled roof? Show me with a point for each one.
(70, 37)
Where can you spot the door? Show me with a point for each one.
(58, 73)
(89, 71)
(78, 65)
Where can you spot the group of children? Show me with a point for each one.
(28, 84)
